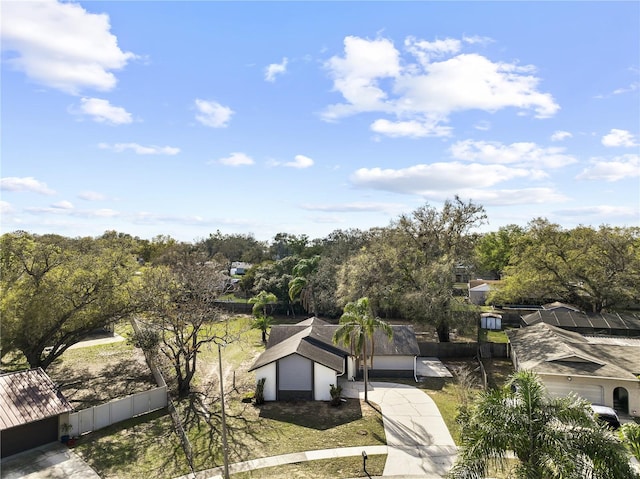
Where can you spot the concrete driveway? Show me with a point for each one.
(52, 461)
(418, 440)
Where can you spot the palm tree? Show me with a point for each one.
(551, 438)
(259, 311)
(301, 286)
(357, 328)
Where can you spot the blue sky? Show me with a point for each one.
(184, 118)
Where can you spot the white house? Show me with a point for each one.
(302, 362)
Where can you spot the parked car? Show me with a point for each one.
(607, 415)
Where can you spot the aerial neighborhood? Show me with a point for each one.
(319, 240)
(275, 357)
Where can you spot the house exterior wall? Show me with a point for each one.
(607, 385)
(323, 378)
(269, 373)
(351, 368)
(393, 362)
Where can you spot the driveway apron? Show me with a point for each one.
(418, 440)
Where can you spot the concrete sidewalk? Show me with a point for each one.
(418, 440)
(271, 461)
(52, 461)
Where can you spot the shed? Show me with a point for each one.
(30, 409)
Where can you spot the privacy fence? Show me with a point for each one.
(104, 415)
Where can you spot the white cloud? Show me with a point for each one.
(213, 114)
(511, 197)
(65, 208)
(29, 184)
(618, 168)
(91, 196)
(605, 211)
(619, 138)
(300, 161)
(411, 128)
(61, 45)
(483, 125)
(6, 208)
(356, 75)
(426, 179)
(63, 205)
(425, 51)
(372, 76)
(102, 111)
(236, 159)
(560, 135)
(357, 207)
(140, 149)
(520, 154)
(275, 69)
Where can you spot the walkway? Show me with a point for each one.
(418, 441)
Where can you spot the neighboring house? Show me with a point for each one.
(571, 319)
(603, 370)
(479, 290)
(301, 361)
(31, 411)
(240, 268)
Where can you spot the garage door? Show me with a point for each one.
(34, 434)
(590, 392)
(295, 378)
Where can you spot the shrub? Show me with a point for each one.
(336, 392)
(259, 394)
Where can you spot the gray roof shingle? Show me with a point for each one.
(313, 339)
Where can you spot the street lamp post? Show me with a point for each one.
(224, 419)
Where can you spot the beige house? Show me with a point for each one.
(602, 369)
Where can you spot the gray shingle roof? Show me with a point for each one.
(313, 339)
(29, 396)
(548, 349)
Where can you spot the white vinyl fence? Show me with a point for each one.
(97, 417)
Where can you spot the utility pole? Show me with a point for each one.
(224, 419)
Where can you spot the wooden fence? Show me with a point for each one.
(104, 415)
(463, 350)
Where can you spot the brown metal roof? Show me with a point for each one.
(29, 396)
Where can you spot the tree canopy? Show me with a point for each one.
(596, 269)
(57, 290)
(551, 438)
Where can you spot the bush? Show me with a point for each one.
(336, 392)
(259, 394)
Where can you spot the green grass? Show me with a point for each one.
(144, 447)
(491, 336)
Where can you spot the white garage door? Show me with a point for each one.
(590, 392)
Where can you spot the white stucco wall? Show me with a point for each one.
(269, 372)
(323, 377)
(403, 363)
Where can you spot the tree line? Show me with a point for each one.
(56, 290)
